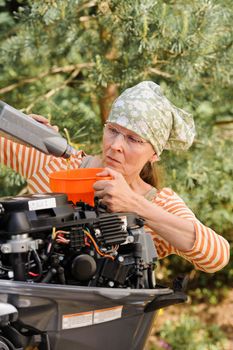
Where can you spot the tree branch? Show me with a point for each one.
(53, 91)
(110, 93)
(224, 122)
(159, 72)
(54, 70)
(88, 4)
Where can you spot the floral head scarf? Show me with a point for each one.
(146, 111)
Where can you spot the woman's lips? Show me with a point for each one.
(112, 160)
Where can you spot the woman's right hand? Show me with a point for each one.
(43, 120)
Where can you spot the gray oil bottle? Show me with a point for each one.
(25, 130)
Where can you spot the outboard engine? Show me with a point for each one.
(72, 275)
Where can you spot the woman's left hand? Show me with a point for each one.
(116, 193)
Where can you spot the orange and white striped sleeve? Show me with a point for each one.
(210, 251)
(34, 165)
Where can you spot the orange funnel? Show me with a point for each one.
(76, 183)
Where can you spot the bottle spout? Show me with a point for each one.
(70, 151)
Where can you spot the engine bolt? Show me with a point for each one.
(130, 239)
(5, 248)
(121, 258)
(111, 284)
(97, 232)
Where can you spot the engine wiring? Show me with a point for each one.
(96, 246)
(55, 233)
(58, 236)
(61, 239)
(38, 265)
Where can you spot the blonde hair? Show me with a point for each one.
(152, 174)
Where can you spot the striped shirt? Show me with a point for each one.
(210, 251)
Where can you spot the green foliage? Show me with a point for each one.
(205, 182)
(189, 333)
(6, 20)
(10, 183)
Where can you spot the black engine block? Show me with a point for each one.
(44, 238)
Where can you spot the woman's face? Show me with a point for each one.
(125, 151)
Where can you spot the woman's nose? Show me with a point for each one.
(118, 142)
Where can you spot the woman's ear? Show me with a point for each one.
(154, 158)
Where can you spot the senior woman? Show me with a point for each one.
(142, 123)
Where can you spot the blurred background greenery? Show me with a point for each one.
(69, 59)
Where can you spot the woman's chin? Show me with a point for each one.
(113, 165)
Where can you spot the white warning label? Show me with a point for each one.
(89, 318)
(82, 319)
(42, 204)
(105, 315)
